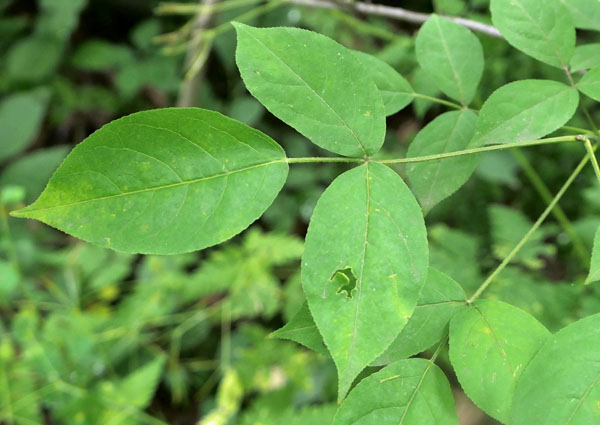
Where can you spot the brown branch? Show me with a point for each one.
(189, 87)
(396, 13)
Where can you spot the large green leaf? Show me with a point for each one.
(441, 298)
(408, 392)
(542, 29)
(490, 346)
(395, 91)
(452, 56)
(364, 264)
(561, 385)
(524, 110)
(21, 115)
(434, 181)
(315, 85)
(163, 181)
(585, 13)
(590, 84)
(594, 273)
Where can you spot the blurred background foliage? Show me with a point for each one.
(90, 336)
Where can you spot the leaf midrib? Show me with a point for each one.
(27, 211)
(362, 269)
(451, 62)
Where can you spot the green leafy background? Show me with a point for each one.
(93, 336)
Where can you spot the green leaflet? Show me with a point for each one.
(540, 28)
(408, 392)
(395, 91)
(452, 56)
(490, 346)
(21, 116)
(163, 181)
(441, 298)
(590, 84)
(586, 56)
(364, 264)
(315, 85)
(510, 116)
(433, 181)
(561, 385)
(585, 13)
(594, 273)
(302, 329)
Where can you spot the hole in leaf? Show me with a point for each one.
(345, 280)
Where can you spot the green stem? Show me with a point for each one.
(590, 150)
(558, 212)
(482, 149)
(311, 159)
(436, 100)
(531, 231)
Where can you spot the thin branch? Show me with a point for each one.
(482, 149)
(531, 231)
(590, 150)
(313, 159)
(197, 53)
(558, 212)
(397, 13)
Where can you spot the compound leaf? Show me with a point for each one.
(163, 181)
(542, 29)
(441, 298)
(364, 264)
(315, 85)
(434, 181)
(524, 110)
(408, 392)
(452, 55)
(491, 343)
(395, 91)
(590, 84)
(561, 385)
